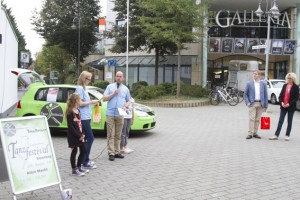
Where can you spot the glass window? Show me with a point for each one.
(41, 94)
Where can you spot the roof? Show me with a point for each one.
(142, 60)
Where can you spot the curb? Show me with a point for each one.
(178, 104)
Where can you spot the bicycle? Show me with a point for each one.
(218, 95)
(238, 92)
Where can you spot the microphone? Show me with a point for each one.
(118, 85)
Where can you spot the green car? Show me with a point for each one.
(50, 101)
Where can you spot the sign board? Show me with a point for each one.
(29, 154)
(260, 46)
(112, 63)
(24, 57)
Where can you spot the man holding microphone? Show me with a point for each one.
(116, 95)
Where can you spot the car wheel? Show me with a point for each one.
(273, 99)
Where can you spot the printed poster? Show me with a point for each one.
(277, 47)
(227, 45)
(239, 45)
(29, 153)
(214, 45)
(289, 47)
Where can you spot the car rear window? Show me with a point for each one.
(29, 78)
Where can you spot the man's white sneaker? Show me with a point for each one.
(287, 138)
(127, 150)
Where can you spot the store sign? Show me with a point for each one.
(239, 18)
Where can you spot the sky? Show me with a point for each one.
(22, 11)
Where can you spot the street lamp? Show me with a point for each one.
(273, 12)
(127, 39)
(78, 45)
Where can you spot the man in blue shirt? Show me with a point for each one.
(117, 95)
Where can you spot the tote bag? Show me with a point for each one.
(265, 122)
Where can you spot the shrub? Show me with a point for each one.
(136, 87)
(150, 92)
(169, 88)
(101, 84)
(193, 91)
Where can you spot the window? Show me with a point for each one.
(50, 95)
(41, 94)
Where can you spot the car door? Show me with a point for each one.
(51, 102)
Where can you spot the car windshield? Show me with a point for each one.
(277, 84)
(98, 92)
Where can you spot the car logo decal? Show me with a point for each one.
(53, 113)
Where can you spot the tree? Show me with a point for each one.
(176, 21)
(21, 39)
(54, 58)
(138, 39)
(55, 20)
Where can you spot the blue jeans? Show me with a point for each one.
(281, 119)
(89, 139)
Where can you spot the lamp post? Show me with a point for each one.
(78, 44)
(127, 42)
(273, 12)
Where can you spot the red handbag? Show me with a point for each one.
(265, 122)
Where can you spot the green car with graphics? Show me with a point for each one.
(50, 101)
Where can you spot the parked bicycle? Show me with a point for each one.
(221, 94)
(238, 92)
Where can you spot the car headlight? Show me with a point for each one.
(141, 113)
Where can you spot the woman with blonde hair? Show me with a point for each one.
(86, 115)
(288, 98)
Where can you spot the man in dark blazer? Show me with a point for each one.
(256, 99)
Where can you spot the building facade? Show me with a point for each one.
(234, 32)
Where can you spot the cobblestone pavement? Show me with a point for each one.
(193, 153)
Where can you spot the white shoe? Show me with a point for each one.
(92, 162)
(287, 138)
(273, 138)
(127, 150)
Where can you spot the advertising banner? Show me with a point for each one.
(29, 153)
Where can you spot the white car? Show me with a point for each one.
(274, 88)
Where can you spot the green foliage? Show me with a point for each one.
(158, 26)
(137, 86)
(55, 20)
(193, 91)
(54, 58)
(101, 84)
(149, 92)
(169, 88)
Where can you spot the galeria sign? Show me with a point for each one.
(239, 18)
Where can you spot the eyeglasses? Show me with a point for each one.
(289, 78)
(88, 79)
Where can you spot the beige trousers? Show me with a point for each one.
(255, 112)
(114, 126)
